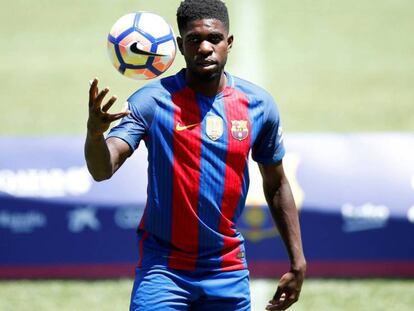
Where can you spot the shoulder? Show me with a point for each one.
(144, 103)
(149, 92)
(259, 98)
(252, 90)
(157, 90)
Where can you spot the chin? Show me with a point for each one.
(208, 75)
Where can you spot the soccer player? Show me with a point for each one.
(199, 127)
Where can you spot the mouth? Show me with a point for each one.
(206, 63)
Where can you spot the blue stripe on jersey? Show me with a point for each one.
(244, 189)
(212, 168)
(160, 158)
(152, 118)
(265, 120)
(240, 208)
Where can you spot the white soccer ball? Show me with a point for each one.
(141, 45)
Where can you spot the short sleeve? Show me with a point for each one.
(135, 126)
(268, 147)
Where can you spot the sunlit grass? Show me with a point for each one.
(112, 295)
(332, 66)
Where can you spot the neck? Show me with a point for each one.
(208, 87)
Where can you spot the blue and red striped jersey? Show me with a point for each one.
(198, 149)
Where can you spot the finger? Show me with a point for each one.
(278, 294)
(117, 116)
(277, 300)
(281, 305)
(93, 90)
(109, 104)
(281, 298)
(100, 97)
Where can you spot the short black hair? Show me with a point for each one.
(191, 10)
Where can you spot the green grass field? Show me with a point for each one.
(332, 66)
(321, 295)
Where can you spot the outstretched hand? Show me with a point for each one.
(287, 292)
(99, 119)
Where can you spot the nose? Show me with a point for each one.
(205, 48)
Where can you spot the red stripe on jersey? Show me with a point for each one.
(186, 180)
(141, 248)
(144, 215)
(143, 238)
(236, 107)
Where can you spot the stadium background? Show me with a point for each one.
(332, 66)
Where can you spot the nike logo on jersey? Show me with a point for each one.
(180, 127)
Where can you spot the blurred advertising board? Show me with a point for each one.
(354, 192)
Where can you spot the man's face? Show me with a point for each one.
(205, 44)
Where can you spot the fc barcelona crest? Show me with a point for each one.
(239, 129)
(214, 127)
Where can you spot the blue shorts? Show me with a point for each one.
(161, 289)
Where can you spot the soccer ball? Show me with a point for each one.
(141, 45)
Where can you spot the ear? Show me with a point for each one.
(230, 40)
(180, 45)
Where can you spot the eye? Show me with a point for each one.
(215, 39)
(193, 39)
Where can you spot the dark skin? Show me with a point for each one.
(205, 45)
(283, 209)
(103, 157)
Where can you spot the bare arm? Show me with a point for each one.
(103, 157)
(282, 206)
